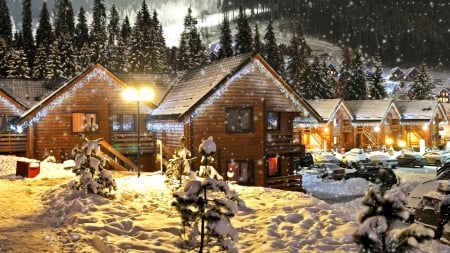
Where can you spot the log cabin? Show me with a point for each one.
(55, 125)
(248, 109)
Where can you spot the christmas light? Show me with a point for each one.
(14, 108)
(96, 73)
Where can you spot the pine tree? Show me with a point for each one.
(64, 18)
(40, 62)
(299, 52)
(353, 76)
(5, 23)
(257, 41)
(272, 51)
(125, 31)
(422, 85)
(53, 70)
(158, 51)
(84, 57)
(44, 34)
(4, 54)
(28, 46)
(345, 73)
(98, 35)
(377, 90)
(18, 65)
(113, 26)
(316, 82)
(380, 230)
(81, 37)
(244, 41)
(191, 50)
(226, 48)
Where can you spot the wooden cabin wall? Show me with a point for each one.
(252, 90)
(53, 132)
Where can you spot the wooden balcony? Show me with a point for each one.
(282, 143)
(126, 143)
(12, 143)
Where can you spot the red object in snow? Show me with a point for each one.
(28, 169)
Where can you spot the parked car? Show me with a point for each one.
(326, 158)
(355, 158)
(327, 170)
(433, 210)
(367, 172)
(443, 173)
(437, 157)
(304, 160)
(383, 159)
(411, 160)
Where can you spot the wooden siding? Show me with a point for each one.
(252, 90)
(53, 133)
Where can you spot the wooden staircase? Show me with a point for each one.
(115, 159)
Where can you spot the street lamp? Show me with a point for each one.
(138, 96)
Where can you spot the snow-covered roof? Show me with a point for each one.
(418, 109)
(369, 110)
(326, 108)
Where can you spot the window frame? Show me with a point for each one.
(278, 165)
(79, 127)
(273, 120)
(121, 129)
(243, 114)
(238, 166)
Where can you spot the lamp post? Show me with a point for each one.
(138, 96)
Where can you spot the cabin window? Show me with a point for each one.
(8, 123)
(239, 119)
(273, 166)
(240, 171)
(81, 119)
(273, 121)
(123, 123)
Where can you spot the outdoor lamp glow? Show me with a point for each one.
(138, 96)
(142, 94)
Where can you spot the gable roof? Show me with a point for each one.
(70, 87)
(208, 81)
(419, 110)
(327, 108)
(14, 105)
(369, 110)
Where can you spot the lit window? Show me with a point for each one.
(238, 119)
(273, 166)
(81, 119)
(123, 123)
(240, 171)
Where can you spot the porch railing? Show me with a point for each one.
(12, 142)
(281, 142)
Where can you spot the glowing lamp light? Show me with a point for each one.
(389, 141)
(138, 95)
(133, 94)
(326, 130)
(377, 129)
(425, 127)
(402, 143)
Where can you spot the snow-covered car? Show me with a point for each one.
(433, 209)
(327, 170)
(383, 159)
(326, 158)
(437, 157)
(411, 160)
(354, 158)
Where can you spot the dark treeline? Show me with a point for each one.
(402, 32)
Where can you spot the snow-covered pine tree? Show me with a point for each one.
(18, 65)
(206, 202)
(4, 52)
(272, 51)
(244, 41)
(422, 85)
(383, 227)
(89, 166)
(40, 60)
(377, 89)
(226, 40)
(179, 165)
(81, 36)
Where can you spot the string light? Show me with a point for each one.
(96, 73)
(16, 110)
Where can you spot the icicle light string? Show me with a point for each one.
(80, 84)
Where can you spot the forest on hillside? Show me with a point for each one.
(403, 32)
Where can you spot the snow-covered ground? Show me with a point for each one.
(140, 217)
